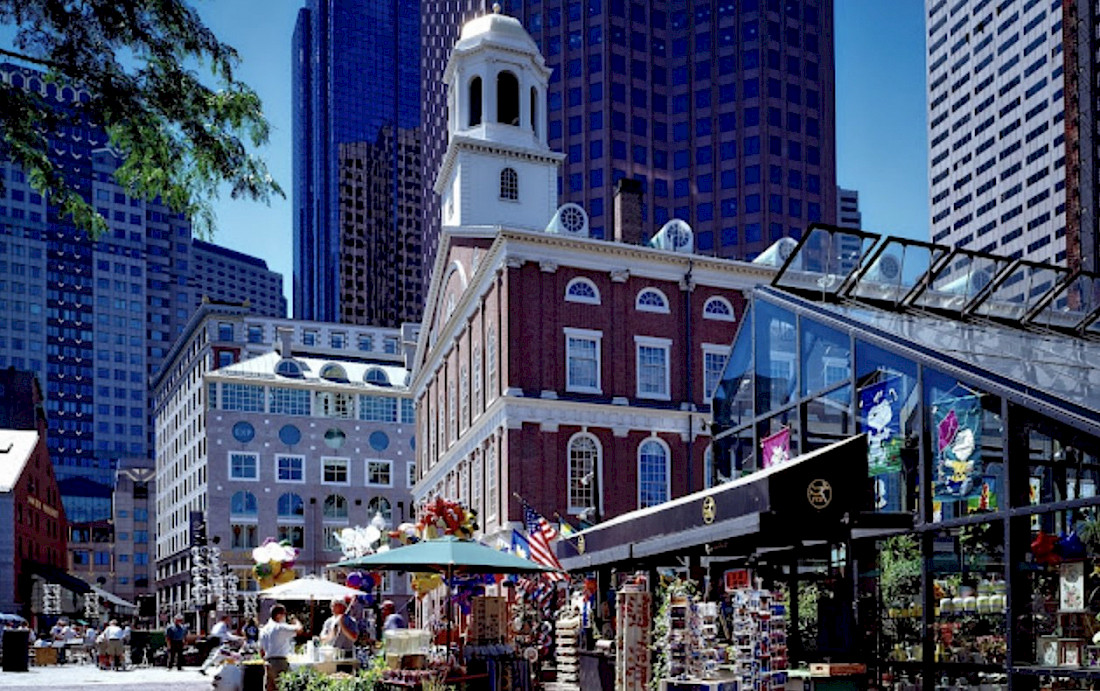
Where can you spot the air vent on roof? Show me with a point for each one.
(778, 253)
(674, 236)
(886, 268)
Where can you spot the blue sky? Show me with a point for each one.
(880, 103)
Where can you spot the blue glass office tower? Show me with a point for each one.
(357, 237)
(723, 109)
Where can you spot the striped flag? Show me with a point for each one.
(539, 535)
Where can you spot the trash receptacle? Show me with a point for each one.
(14, 658)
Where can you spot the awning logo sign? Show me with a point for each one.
(819, 493)
(710, 510)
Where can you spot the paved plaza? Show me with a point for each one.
(74, 677)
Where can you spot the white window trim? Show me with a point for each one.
(347, 464)
(638, 469)
(244, 518)
(279, 456)
(713, 349)
(650, 308)
(719, 317)
(229, 466)
(570, 332)
(598, 469)
(329, 521)
(581, 298)
(410, 473)
(652, 342)
(366, 472)
(291, 520)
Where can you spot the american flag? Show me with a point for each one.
(539, 535)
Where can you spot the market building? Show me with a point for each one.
(936, 441)
(570, 371)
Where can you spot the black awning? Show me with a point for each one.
(815, 496)
(52, 574)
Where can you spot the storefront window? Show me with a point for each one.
(828, 418)
(1059, 469)
(826, 357)
(966, 443)
(969, 626)
(776, 355)
(888, 408)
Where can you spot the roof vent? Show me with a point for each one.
(674, 236)
(570, 219)
(886, 269)
(778, 253)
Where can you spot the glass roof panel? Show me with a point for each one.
(824, 259)
(960, 280)
(895, 269)
(1025, 285)
(1063, 366)
(1072, 303)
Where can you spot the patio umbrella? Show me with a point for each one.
(447, 556)
(309, 589)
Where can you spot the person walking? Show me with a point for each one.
(390, 618)
(276, 644)
(225, 637)
(175, 635)
(115, 644)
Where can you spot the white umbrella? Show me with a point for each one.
(309, 588)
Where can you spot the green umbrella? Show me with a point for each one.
(447, 555)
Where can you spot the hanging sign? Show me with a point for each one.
(776, 449)
(880, 415)
(958, 430)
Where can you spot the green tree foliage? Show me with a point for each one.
(139, 61)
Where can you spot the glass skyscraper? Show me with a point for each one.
(722, 109)
(357, 191)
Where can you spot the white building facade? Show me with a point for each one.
(996, 126)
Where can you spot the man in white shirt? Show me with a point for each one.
(225, 635)
(340, 630)
(276, 645)
(115, 643)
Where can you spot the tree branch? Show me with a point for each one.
(28, 58)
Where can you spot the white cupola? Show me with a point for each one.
(498, 169)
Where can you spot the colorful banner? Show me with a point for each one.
(957, 426)
(880, 416)
(776, 449)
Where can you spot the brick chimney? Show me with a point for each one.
(627, 210)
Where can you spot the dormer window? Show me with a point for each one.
(376, 376)
(289, 368)
(507, 98)
(334, 373)
(475, 101)
(509, 185)
(651, 300)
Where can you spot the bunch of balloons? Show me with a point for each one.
(359, 541)
(444, 517)
(274, 563)
(424, 583)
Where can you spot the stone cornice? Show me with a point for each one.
(460, 142)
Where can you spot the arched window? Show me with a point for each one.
(334, 372)
(582, 290)
(291, 506)
(380, 505)
(475, 101)
(243, 504)
(507, 98)
(289, 368)
(378, 376)
(335, 508)
(651, 300)
(718, 308)
(584, 462)
(653, 475)
(509, 184)
(535, 111)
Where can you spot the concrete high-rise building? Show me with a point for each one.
(222, 274)
(723, 112)
(1009, 148)
(93, 320)
(847, 213)
(277, 428)
(356, 91)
